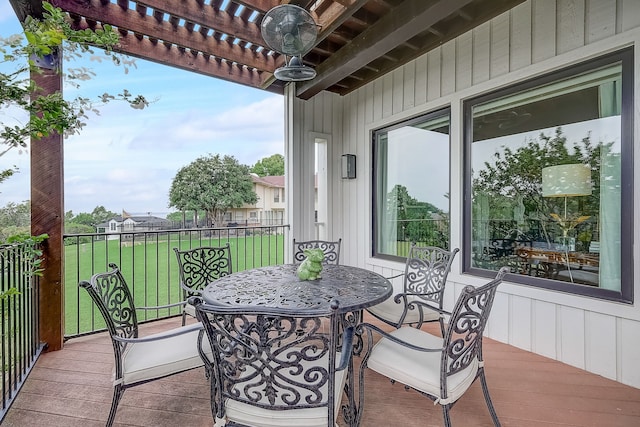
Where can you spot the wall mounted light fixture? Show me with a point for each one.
(348, 166)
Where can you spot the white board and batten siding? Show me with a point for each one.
(535, 37)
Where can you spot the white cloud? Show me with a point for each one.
(126, 158)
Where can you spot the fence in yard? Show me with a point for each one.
(149, 265)
(20, 346)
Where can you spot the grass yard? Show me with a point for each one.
(150, 268)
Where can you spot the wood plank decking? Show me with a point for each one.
(72, 387)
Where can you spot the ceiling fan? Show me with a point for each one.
(291, 31)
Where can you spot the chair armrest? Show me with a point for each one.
(394, 277)
(416, 302)
(347, 348)
(372, 328)
(425, 304)
(156, 337)
(160, 307)
(190, 291)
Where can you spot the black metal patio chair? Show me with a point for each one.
(139, 360)
(331, 250)
(424, 279)
(198, 267)
(441, 369)
(274, 367)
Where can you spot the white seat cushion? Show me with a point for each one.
(156, 359)
(419, 370)
(389, 310)
(190, 310)
(254, 416)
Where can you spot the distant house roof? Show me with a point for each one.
(143, 219)
(274, 181)
(269, 181)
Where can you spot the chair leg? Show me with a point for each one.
(184, 317)
(445, 414)
(487, 398)
(118, 391)
(441, 320)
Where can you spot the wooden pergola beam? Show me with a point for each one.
(47, 203)
(400, 25)
(47, 217)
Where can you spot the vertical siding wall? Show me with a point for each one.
(533, 38)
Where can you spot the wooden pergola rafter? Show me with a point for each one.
(358, 40)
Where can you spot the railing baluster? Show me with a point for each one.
(132, 250)
(20, 346)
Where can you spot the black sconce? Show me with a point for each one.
(48, 62)
(348, 166)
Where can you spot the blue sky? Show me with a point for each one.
(126, 158)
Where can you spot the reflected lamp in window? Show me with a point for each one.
(546, 163)
(411, 185)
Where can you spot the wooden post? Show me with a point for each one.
(47, 213)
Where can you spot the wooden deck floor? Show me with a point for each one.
(72, 387)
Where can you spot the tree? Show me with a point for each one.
(417, 221)
(100, 215)
(15, 218)
(82, 218)
(86, 222)
(516, 177)
(269, 166)
(214, 185)
(185, 217)
(51, 113)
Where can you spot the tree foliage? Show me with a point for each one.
(185, 217)
(516, 175)
(86, 222)
(15, 219)
(52, 113)
(269, 166)
(212, 184)
(418, 221)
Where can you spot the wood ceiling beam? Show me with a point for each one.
(180, 36)
(401, 24)
(453, 29)
(334, 17)
(217, 20)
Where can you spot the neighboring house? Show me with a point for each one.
(270, 207)
(133, 223)
(432, 125)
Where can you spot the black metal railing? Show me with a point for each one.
(149, 265)
(20, 346)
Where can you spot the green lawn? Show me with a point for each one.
(150, 268)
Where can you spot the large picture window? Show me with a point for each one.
(549, 180)
(411, 185)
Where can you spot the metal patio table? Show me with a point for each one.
(279, 287)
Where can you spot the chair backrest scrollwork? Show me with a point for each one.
(426, 271)
(200, 266)
(110, 293)
(463, 338)
(270, 358)
(331, 250)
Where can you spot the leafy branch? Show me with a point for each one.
(32, 250)
(52, 113)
